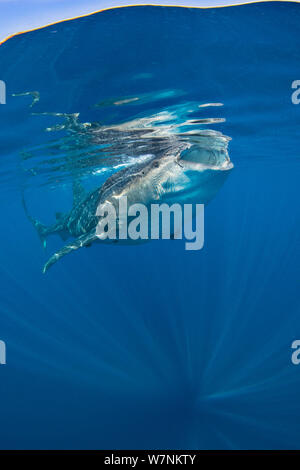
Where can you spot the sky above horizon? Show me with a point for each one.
(21, 15)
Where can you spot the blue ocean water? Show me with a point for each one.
(152, 346)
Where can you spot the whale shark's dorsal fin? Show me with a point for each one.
(83, 240)
(79, 193)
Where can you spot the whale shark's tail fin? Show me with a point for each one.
(43, 230)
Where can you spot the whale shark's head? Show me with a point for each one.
(199, 169)
(191, 170)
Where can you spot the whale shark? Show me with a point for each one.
(186, 172)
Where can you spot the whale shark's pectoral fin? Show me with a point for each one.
(83, 240)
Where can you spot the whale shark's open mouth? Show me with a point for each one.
(206, 151)
(199, 159)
